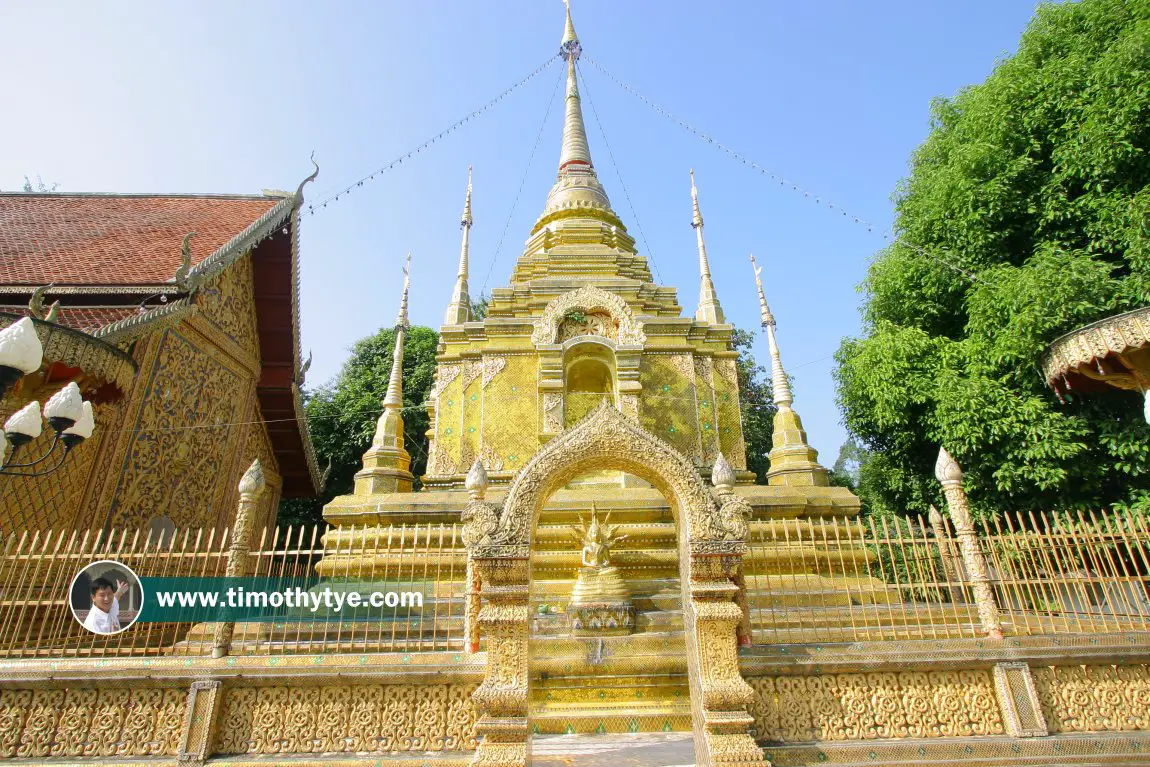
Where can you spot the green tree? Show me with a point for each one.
(1026, 215)
(757, 402)
(342, 414)
(479, 307)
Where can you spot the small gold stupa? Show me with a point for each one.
(600, 601)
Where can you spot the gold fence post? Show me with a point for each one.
(200, 720)
(252, 486)
(949, 475)
(951, 570)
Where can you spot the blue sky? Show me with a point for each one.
(231, 97)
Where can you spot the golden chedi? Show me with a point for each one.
(600, 601)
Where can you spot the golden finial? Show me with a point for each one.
(401, 316)
(765, 316)
(709, 311)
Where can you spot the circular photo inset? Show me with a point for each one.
(106, 597)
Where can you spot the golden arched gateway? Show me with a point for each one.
(712, 528)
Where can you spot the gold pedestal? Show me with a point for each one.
(600, 603)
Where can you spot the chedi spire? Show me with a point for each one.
(793, 461)
(387, 464)
(577, 185)
(459, 310)
(709, 309)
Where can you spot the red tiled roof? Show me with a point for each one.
(86, 318)
(107, 239)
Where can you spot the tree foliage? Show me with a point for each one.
(757, 402)
(1025, 216)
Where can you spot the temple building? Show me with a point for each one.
(178, 317)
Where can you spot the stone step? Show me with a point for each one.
(634, 716)
(608, 695)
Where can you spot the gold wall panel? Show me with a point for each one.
(347, 719)
(667, 407)
(912, 704)
(511, 414)
(729, 413)
(472, 421)
(91, 722)
(448, 419)
(1094, 698)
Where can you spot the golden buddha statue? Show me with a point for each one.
(600, 602)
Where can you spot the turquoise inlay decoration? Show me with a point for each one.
(474, 397)
(671, 429)
(470, 429)
(450, 402)
(447, 430)
(666, 387)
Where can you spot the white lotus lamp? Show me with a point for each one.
(64, 408)
(20, 352)
(82, 429)
(25, 425)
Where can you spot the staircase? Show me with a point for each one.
(609, 685)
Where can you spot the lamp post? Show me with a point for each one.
(68, 415)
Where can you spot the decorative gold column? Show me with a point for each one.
(948, 473)
(499, 611)
(720, 697)
(501, 700)
(252, 487)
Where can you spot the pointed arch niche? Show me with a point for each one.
(590, 345)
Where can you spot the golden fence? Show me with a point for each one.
(37, 571)
(851, 580)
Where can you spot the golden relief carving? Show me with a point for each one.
(594, 323)
(187, 386)
(347, 719)
(605, 439)
(611, 311)
(1094, 698)
(472, 369)
(444, 375)
(911, 704)
(552, 412)
(91, 722)
(227, 303)
(492, 366)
